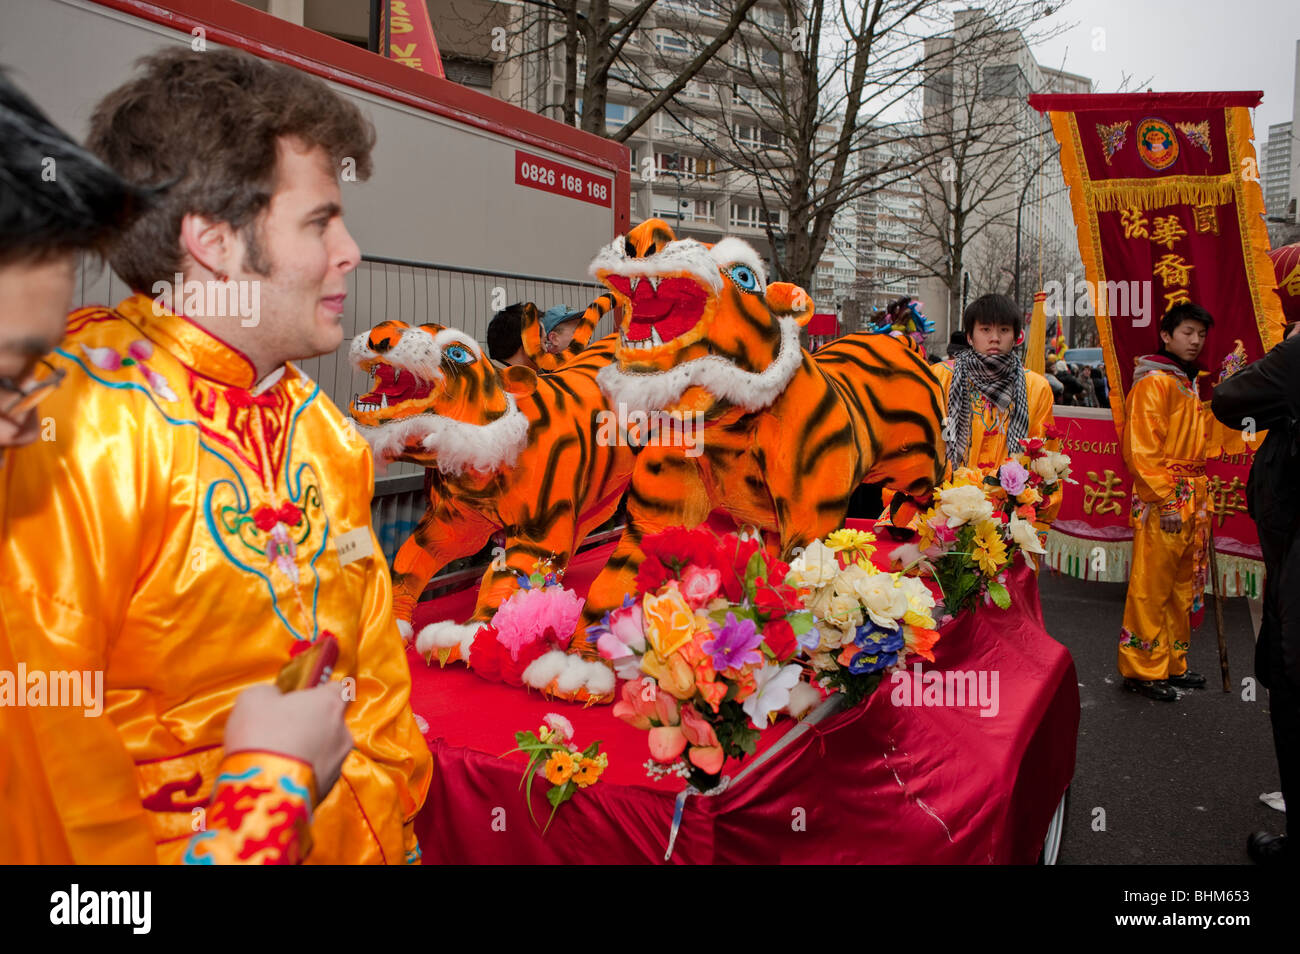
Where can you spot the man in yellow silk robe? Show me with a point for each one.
(198, 508)
(1164, 447)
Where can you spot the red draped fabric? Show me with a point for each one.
(882, 783)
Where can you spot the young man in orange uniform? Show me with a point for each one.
(1164, 447)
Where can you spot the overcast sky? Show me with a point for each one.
(1182, 45)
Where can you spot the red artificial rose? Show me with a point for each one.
(775, 600)
(779, 636)
(681, 546)
(651, 575)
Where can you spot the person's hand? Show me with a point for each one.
(1171, 523)
(307, 724)
(1291, 331)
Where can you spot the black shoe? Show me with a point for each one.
(1266, 849)
(1152, 690)
(1188, 680)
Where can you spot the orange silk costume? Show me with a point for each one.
(988, 449)
(1164, 447)
(181, 533)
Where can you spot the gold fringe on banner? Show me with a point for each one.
(1093, 560)
(1112, 195)
(1103, 562)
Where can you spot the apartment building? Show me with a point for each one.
(1275, 172)
(1013, 167)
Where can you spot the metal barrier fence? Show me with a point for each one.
(414, 292)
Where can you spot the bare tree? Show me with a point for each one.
(808, 120)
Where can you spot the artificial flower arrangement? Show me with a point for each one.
(552, 753)
(868, 620)
(707, 649)
(979, 523)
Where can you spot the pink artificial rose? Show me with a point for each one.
(626, 625)
(666, 743)
(631, 709)
(700, 584)
(707, 759)
(697, 728)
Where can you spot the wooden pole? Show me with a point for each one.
(1218, 608)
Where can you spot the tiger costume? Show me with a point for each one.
(507, 450)
(788, 435)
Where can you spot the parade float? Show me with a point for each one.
(786, 688)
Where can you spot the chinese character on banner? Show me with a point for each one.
(1226, 499)
(1104, 498)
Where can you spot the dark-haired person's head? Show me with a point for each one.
(1183, 330)
(56, 201)
(992, 324)
(505, 336)
(251, 153)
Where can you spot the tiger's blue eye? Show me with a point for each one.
(459, 354)
(744, 277)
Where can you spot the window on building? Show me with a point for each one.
(1004, 81)
(672, 44)
(753, 216)
(757, 136)
(689, 167)
(617, 115)
(472, 73)
(673, 125)
(756, 56)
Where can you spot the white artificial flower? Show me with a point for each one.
(772, 685)
(965, 504)
(1025, 536)
(1043, 467)
(882, 598)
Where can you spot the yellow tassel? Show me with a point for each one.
(1034, 355)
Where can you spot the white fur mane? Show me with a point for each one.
(655, 390)
(457, 445)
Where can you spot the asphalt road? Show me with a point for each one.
(1175, 783)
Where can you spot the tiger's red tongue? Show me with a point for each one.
(672, 310)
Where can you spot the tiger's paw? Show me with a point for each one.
(447, 642)
(565, 676)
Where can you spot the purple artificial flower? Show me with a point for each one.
(735, 644)
(1013, 477)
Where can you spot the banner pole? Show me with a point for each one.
(1218, 608)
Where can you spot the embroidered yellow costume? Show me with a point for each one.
(1164, 447)
(181, 533)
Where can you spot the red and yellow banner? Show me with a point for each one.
(1167, 202)
(1091, 537)
(407, 36)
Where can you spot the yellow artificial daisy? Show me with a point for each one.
(990, 549)
(857, 542)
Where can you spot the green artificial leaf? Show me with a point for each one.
(1000, 595)
(800, 622)
(753, 570)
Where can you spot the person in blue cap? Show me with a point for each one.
(558, 326)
